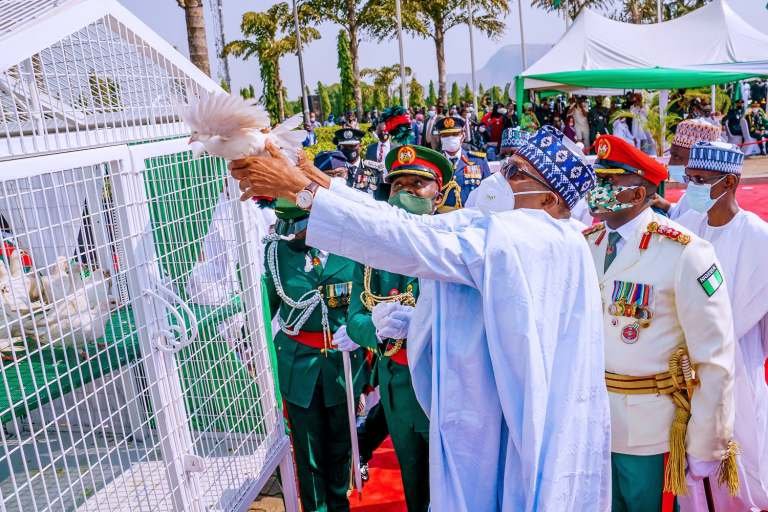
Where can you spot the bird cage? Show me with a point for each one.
(136, 373)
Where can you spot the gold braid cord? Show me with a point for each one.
(369, 300)
(447, 188)
(674, 474)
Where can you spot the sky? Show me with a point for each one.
(167, 19)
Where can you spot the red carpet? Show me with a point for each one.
(384, 490)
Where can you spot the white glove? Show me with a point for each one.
(342, 341)
(392, 320)
(700, 469)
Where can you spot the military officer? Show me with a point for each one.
(365, 175)
(669, 347)
(310, 372)
(416, 175)
(469, 167)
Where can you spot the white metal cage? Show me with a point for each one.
(135, 369)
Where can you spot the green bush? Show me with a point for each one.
(325, 140)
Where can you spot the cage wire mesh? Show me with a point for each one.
(135, 372)
(101, 84)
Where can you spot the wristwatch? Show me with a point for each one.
(305, 197)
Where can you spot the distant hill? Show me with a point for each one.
(502, 67)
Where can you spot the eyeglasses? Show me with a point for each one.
(511, 170)
(698, 180)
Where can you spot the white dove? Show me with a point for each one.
(229, 127)
(10, 345)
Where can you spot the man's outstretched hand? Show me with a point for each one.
(268, 176)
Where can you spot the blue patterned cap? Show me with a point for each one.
(513, 138)
(560, 162)
(716, 156)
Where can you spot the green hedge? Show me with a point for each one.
(325, 140)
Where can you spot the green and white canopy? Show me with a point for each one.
(711, 45)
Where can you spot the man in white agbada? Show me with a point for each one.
(517, 402)
(740, 239)
(687, 133)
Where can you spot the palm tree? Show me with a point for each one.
(434, 18)
(268, 37)
(198, 44)
(357, 18)
(384, 76)
(574, 7)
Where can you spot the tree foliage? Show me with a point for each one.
(384, 77)
(359, 19)
(325, 100)
(345, 72)
(573, 7)
(644, 11)
(466, 94)
(416, 96)
(432, 95)
(269, 35)
(432, 19)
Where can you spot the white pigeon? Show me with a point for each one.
(97, 286)
(229, 127)
(57, 283)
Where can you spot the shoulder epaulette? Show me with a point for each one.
(477, 154)
(593, 229)
(654, 228)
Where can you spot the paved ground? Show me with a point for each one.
(756, 166)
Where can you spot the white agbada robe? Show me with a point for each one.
(742, 248)
(518, 407)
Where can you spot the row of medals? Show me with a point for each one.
(642, 315)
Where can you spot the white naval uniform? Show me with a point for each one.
(683, 312)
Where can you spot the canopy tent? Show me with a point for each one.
(712, 45)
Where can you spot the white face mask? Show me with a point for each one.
(495, 195)
(451, 144)
(502, 111)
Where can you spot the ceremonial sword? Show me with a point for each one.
(351, 408)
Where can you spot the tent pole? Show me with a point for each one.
(658, 11)
(713, 104)
(522, 34)
(567, 14)
(519, 95)
(472, 56)
(663, 104)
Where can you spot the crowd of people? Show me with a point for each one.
(521, 355)
(581, 119)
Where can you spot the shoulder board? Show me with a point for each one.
(593, 229)
(654, 228)
(477, 154)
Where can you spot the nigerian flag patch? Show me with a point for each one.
(711, 280)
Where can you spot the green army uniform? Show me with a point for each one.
(408, 425)
(311, 379)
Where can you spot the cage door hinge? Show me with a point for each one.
(193, 463)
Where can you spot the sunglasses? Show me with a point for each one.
(512, 170)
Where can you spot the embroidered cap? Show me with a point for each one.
(691, 131)
(513, 138)
(560, 162)
(716, 156)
